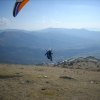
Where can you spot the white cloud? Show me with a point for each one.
(4, 22)
(55, 23)
(52, 20)
(43, 21)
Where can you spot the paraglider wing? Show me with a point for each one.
(18, 6)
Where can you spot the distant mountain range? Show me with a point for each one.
(29, 47)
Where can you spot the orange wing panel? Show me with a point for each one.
(22, 4)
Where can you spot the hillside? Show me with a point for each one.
(88, 63)
(73, 79)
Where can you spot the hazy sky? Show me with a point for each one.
(39, 14)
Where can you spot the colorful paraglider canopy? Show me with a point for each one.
(19, 4)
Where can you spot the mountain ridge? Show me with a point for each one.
(42, 38)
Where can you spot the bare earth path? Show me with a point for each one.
(30, 82)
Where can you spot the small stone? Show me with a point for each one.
(45, 76)
(21, 81)
(91, 81)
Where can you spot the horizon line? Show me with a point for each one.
(49, 28)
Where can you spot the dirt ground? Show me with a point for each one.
(30, 82)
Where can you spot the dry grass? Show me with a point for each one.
(29, 82)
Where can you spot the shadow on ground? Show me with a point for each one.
(8, 76)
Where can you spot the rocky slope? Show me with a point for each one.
(80, 63)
